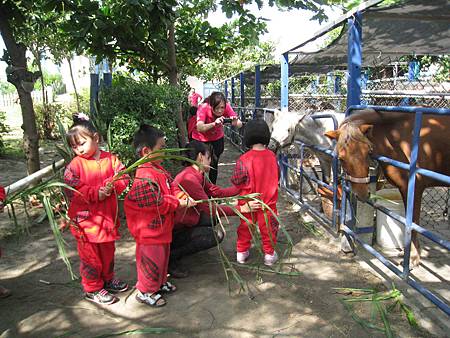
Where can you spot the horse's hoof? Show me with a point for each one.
(346, 247)
(415, 262)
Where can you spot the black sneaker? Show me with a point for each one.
(116, 285)
(101, 297)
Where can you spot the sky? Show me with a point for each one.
(285, 28)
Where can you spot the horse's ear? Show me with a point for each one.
(365, 128)
(332, 134)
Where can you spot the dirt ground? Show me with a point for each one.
(301, 306)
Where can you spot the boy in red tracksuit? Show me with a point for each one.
(150, 207)
(256, 171)
(93, 210)
(4, 292)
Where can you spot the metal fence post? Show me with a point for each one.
(411, 188)
(257, 88)
(354, 61)
(285, 82)
(93, 69)
(232, 91)
(242, 87)
(226, 89)
(107, 74)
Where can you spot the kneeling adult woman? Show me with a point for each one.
(194, 229)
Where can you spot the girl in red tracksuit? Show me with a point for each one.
(93, 210)
(256, 171)
(149, 208)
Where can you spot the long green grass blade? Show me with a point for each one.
(151, 330)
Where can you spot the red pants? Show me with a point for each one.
(97, 264)
(268, 231)
(152, 261)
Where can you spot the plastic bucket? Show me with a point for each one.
(390, 233)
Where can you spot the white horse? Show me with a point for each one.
(290, 125)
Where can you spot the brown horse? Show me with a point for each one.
(390, 134)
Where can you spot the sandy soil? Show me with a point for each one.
(300, 306)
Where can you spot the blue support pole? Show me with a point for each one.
(232, 91)
(411, 188)
(337, 84)
(107, 74)
(285, 82)
(330, 83)
(226, 89)
(413, 70)
(257, 88)
(354, 60)
(242, 87)
(364, 80)
(93, 94)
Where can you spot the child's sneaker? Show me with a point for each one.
(116, 285)
(100, 297)
(151, 299)
(270, 260)
(241, 257)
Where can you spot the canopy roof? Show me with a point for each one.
(420, 27)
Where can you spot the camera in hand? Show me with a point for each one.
(227, 120)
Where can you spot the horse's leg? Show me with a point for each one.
(415, 244)
(325, 165)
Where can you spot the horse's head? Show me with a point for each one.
(353, 149)
(283, 128)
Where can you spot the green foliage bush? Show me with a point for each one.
(7, 88)
(129, 103)
(4, 128)
(46, 118)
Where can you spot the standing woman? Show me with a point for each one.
(210, 119)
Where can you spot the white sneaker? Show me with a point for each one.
(241, 257)
(270, 260)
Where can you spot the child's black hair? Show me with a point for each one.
(146, 136)
(256, 131)
(192, 111)
(194, 148)
(81, 126)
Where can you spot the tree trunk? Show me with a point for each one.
(37, 56)
(21, 78)
(74, 85)
(173, 80)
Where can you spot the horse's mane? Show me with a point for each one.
(349, 130)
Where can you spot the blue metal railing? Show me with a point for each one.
(355, 82)
(407, 221)
(348, 221)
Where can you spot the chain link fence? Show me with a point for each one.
(414, 81)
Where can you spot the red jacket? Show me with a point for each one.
(93, 220)
(256, 171)
(150, 205)
(198, 187)
(2, 194)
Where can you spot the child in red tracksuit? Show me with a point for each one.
(256, 171)
(93, 210)
(150, 208)
(4, 292)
